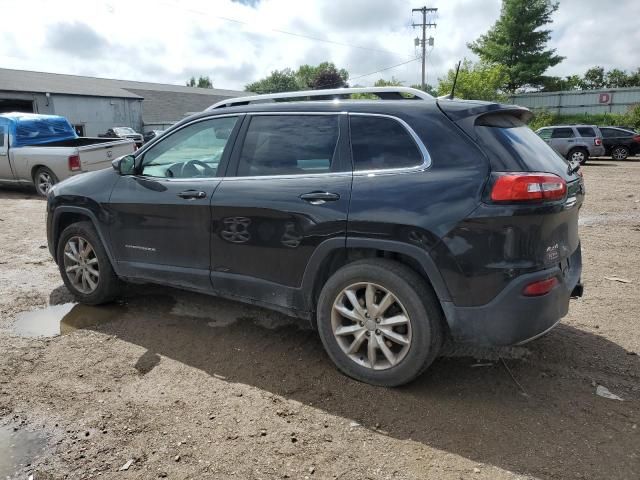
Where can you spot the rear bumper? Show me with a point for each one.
(511, 318)
(597, 151)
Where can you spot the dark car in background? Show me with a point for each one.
(124, 132)
(151, 134)
(620, 142)
(390, 225)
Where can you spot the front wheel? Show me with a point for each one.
(379, 322)
(578, 155)
(620, 153)
(43, 180)
(85, 266)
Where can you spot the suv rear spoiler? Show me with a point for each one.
(466, 113)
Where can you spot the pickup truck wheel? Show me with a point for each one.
(379, 322)
(578, 155)
(620, 153)
(85, 266)
(43, 180)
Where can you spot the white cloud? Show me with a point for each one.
(170, 40)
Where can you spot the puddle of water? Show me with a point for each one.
(63, 319)
(18, 449)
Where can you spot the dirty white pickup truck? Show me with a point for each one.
(44, 149)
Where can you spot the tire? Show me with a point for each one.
(578, 154)
(43, 180)
(413, 298)
(101, 288)
(620, 153)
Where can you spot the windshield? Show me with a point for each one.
(124, 130)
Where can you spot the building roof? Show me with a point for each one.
(164, 103)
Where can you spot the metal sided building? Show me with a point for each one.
(93, 105)
(576, 102)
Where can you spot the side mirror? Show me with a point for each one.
(125, 165)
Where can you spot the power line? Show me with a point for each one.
(285, 32)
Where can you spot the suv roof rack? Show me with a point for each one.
(384, 93)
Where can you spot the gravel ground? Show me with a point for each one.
(169, 384)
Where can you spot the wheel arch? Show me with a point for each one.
(68, 215)
(335, 253)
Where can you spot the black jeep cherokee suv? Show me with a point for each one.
(389, 224)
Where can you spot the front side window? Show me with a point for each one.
(191, 152)
(379, 143)
(545, 134)
(289, 145)
(562, 133)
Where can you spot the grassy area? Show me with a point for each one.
(630, 119)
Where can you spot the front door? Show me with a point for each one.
(290, 193)
(161, 220)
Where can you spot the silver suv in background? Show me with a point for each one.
(574, 142)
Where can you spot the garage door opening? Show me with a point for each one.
(9, 105)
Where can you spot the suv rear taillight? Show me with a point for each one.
(597, 141)
(525, 187)
(74, 162)
(636, 138)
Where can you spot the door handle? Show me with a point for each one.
(318, 198)
(192, 194)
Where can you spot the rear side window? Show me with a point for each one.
(586, 132)
(562, 133)
(381, 143)
(2, 136)
(289, 145)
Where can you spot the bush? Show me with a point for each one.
(630, 119)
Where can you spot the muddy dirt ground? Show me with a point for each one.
(169, 384)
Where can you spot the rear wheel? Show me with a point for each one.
(578, 155)
(379, 322)
(85, 266)
(620, 153)
(43, 180)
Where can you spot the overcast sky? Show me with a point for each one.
(236, 42)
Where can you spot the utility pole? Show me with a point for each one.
(423, 42)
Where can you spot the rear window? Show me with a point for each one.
(515, 147)
(586, 132)
(562, 133)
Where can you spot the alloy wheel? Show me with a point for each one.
(578, 156)
(81, 265)
(371, 326)
(619, 153)
(43, 183)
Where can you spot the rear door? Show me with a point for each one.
(161, 225)
(287, 192)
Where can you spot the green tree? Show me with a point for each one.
(617, 78)
(593, 79)
(557, 84)
(277, 81)
(518, 42)
(307, 77)
(202, 82)
(479, 81)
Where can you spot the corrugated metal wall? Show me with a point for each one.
(615, 100)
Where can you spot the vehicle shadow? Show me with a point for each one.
(559, 428)
(16, 192)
